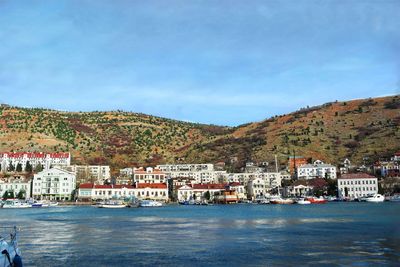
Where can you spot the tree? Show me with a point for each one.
(28, 167)
(38, 168)
(207, 195)
(19, 167)
(11, 167)
(21, 194)
(8, 194)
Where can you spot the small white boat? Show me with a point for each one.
(112, 204)
(303, 201)
(15, 204)
(281, 201)
(150, 203)
(375, 198)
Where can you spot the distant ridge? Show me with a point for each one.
(361, 130)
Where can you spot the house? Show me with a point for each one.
(46, 160)
(317, 169)
(54, 184)
(90, 173)
(149, 175)
(155, 191)
(15, 186)
(299, 188)
(355, 185)
(199, 191)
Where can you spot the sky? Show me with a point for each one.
(218, 62)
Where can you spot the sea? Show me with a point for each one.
(332, 234)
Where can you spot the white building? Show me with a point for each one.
(53, 184)
(47, 160)
(271, 179)
(298, 190)
(148, 176)
(315, 170)
(126, 172)
(202, 173)
(15, 184)
(355, 185)
(198, 191)
(90, 173)
(90, 192)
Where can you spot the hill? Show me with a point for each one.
(355, 129)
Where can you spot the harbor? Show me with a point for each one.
(340, 233)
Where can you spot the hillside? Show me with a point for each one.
(330, 132)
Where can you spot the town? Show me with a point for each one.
(51, 176)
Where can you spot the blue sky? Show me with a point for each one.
(220, 62)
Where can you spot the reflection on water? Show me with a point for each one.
(337, 233)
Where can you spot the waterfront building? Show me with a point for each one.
(199, 191)
(257, 189)
(149, 175)
(90, 173)
(15, 185)
(239, 189)
(54, 184)
(355, 185)
(315, 170)
(142, 191)
(46, 160)
(299, 188)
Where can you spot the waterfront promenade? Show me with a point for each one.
(219, 235)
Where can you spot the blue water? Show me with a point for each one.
(334, 234)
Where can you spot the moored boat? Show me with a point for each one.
(315, 200)
(281, 201)
(375, 198)
(303, 201)
(395, 198)
(150, 203)
(112, 204)
(15, 204)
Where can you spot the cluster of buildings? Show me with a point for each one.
(59, 180)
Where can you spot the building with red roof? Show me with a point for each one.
(152, 191)
(46, 160)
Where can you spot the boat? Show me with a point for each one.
(315, 200)
(375, 198)
(111, 204)
(150, 203)
(53, 204)
(10, 253)
(281, 201)
(15, 204)
(303, 201)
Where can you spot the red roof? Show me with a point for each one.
(35, 154)
(235, 184)
(153, 185)
(98, 186)
(359, 175)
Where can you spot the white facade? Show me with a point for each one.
(315, 170)
(297, 190)
(202, 173)
(90, 173)
(47, 160)
(54, 184)
(357, 185)
(126, 172)
(148, 175)
(141, 191)
(15, 184)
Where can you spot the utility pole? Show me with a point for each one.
(276, 163)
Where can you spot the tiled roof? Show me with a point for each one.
(97, 186)
(153, 185)
(35, 154)
(359, 175)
